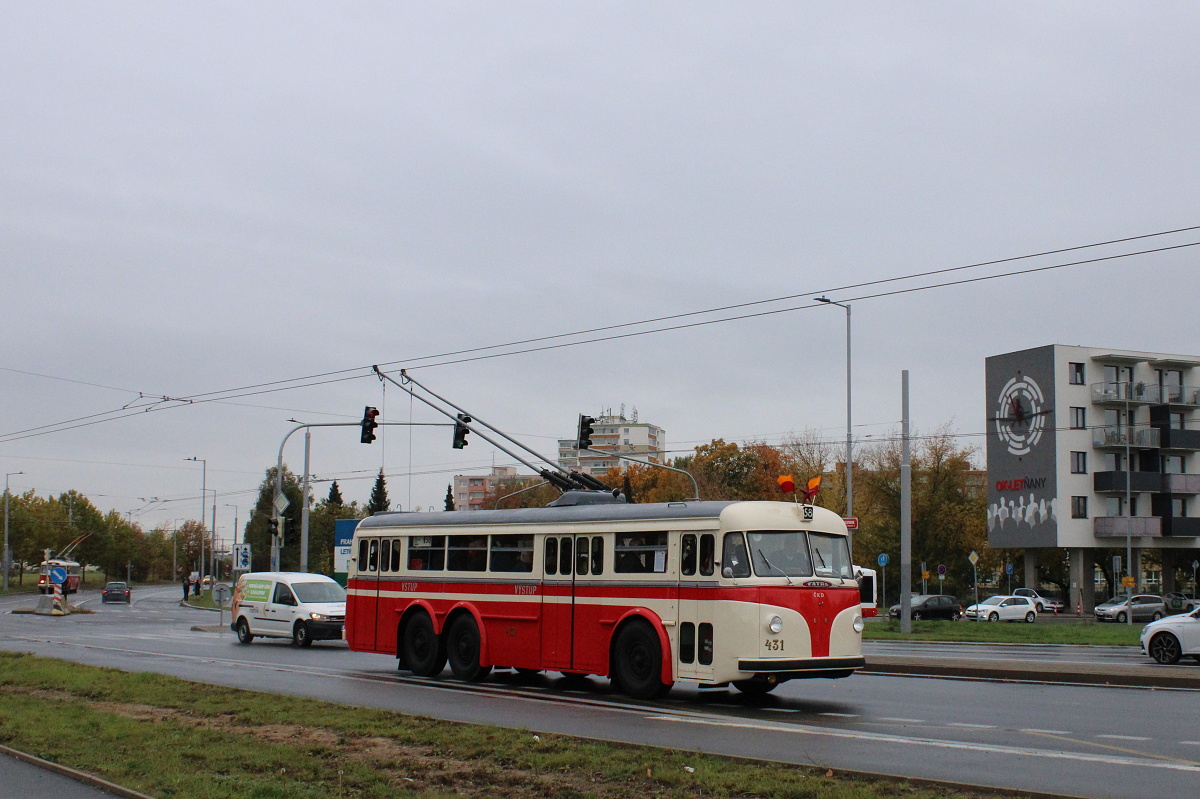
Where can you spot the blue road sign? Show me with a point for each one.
(1008, 568)
(882, 560)
(58, 575)
(941, 569)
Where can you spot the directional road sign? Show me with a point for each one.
(882, 560)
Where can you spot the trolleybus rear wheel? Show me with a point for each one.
(462, 645)
(423, 650)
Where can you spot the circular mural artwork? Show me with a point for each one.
(1022, 415)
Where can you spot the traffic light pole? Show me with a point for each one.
(277, 511)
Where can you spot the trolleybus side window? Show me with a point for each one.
(734, 561)
(706, 644)
(707, 547)
(778, 553)
(467, 553)
(551, 555)
(597, 555)
(564, 557)
(427, 553)
(362, 554)
(512, 553)
(385, 555)
(373, 555)
(831, 555)
(581, 556)
(640, 552)
(396, 559)
(687, 642)
(687, 558)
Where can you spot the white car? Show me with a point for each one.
(1040, 603)
(1169, 639)
(1003, 608)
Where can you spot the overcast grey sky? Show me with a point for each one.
(204, 196)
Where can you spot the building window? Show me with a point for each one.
(1173, 464)
(1079, 418)
(1176, 421)
(1179, 507)
(1079, 507)
(1078, 463)
(1075, 370)
(1115, 506)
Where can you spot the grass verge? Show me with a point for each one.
(1085, 632)
(171, 738)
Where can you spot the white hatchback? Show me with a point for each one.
(1003, 608)
(1169, 639)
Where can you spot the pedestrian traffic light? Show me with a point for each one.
(369, 424)
(586, 431)
(461, 430)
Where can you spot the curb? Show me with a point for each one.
(1021, 672)
(78, 776)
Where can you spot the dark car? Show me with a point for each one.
(931, 606)
(116, 592)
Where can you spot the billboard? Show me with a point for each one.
(1023, 502)
(343, 538)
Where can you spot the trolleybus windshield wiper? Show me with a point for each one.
(771, 566)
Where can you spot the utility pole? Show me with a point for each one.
(905, 513)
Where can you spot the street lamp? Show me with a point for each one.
(849, 439)
(7, 554)
(203, 518)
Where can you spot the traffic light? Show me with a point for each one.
(369, 424)
(461, 430)
(584, 439)
(273, 526)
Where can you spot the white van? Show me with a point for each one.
(303, 607)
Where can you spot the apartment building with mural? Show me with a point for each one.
(1094, 448)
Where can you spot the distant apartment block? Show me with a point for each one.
(470, 489)
(615, 434)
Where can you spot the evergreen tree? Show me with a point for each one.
(627, 489)
(449, 497)
(335, 495)
(379, 499)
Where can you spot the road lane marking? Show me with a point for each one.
(972, 726)
(1190, 743)
(1144, 760)
(903, 721)
(1164, 758)
(1046, 732)
(840, 715)
(1124, 737)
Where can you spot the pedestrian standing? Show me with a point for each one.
(187, 587)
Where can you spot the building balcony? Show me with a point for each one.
(1173, 438)
(1139, 436)
(1181, 527)
(1141, 393)
(1114, 482)
(1181, 483)
(1135, 526)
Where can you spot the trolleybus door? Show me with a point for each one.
(558, 593)
(697, 579)
(366, 597)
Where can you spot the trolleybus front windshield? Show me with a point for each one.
(786, 553)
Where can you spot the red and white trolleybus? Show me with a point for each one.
(748, 593)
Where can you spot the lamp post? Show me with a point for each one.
(7, 554)
(203, 518)
(849, 438)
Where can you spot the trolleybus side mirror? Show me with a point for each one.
(727, 572)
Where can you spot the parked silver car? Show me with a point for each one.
(1042, 603)
(1141, 607)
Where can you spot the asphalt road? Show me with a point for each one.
(1070, 740)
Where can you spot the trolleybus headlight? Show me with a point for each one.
(775, 625)
(859, 624)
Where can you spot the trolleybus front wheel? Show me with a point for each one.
(462, 645)
(637, 662)
(423, 650)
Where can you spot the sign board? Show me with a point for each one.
(1127, 582)
(851, 522)
(241, 557)
(58, 575)
(343, 540)
(882, 560)
(281, 503)
(973, 557)
(924, 575)
(1116, 564)
(1008, 568)
(941, 570)
(221, 594)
